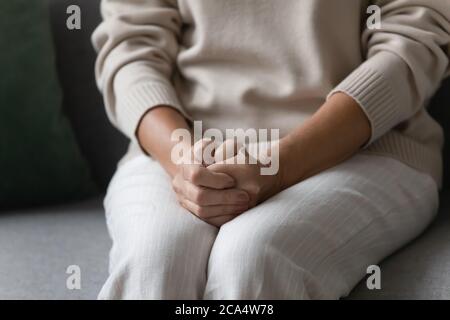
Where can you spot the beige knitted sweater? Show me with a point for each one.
(272, 64)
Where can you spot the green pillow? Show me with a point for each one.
(39, 158)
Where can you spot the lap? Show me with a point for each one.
(362, 192)
(366, 187)
(320, 233)
(334, 224)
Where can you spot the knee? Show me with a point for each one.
(239, 264)
(164, 247)
(160, 264)
(255, 263)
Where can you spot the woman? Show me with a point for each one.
(359, 156)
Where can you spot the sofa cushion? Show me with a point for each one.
(39, 157)
(37, 246)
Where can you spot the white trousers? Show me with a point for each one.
(314, 240)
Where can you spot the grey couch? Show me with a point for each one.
(37, 245)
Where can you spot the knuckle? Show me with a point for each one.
(182, 203)
(175, 186)
(197, 196)
(254, 189)
(228, 197)
(202, 197)
(178, 188)
(201, 212)
(194, 175)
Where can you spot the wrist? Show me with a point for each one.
(155, 135)
(291, 166)
(179, 155)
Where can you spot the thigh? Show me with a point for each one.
(159, 248)
(140, 204)
(331, 226)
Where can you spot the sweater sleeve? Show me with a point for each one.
(405, 62)
(137, 45)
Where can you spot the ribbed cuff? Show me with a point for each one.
(374, 93)
(142, 97)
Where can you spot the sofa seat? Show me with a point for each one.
(37, 246)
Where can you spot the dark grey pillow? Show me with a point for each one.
(39, 158)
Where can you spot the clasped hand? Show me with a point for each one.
(218, 192)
